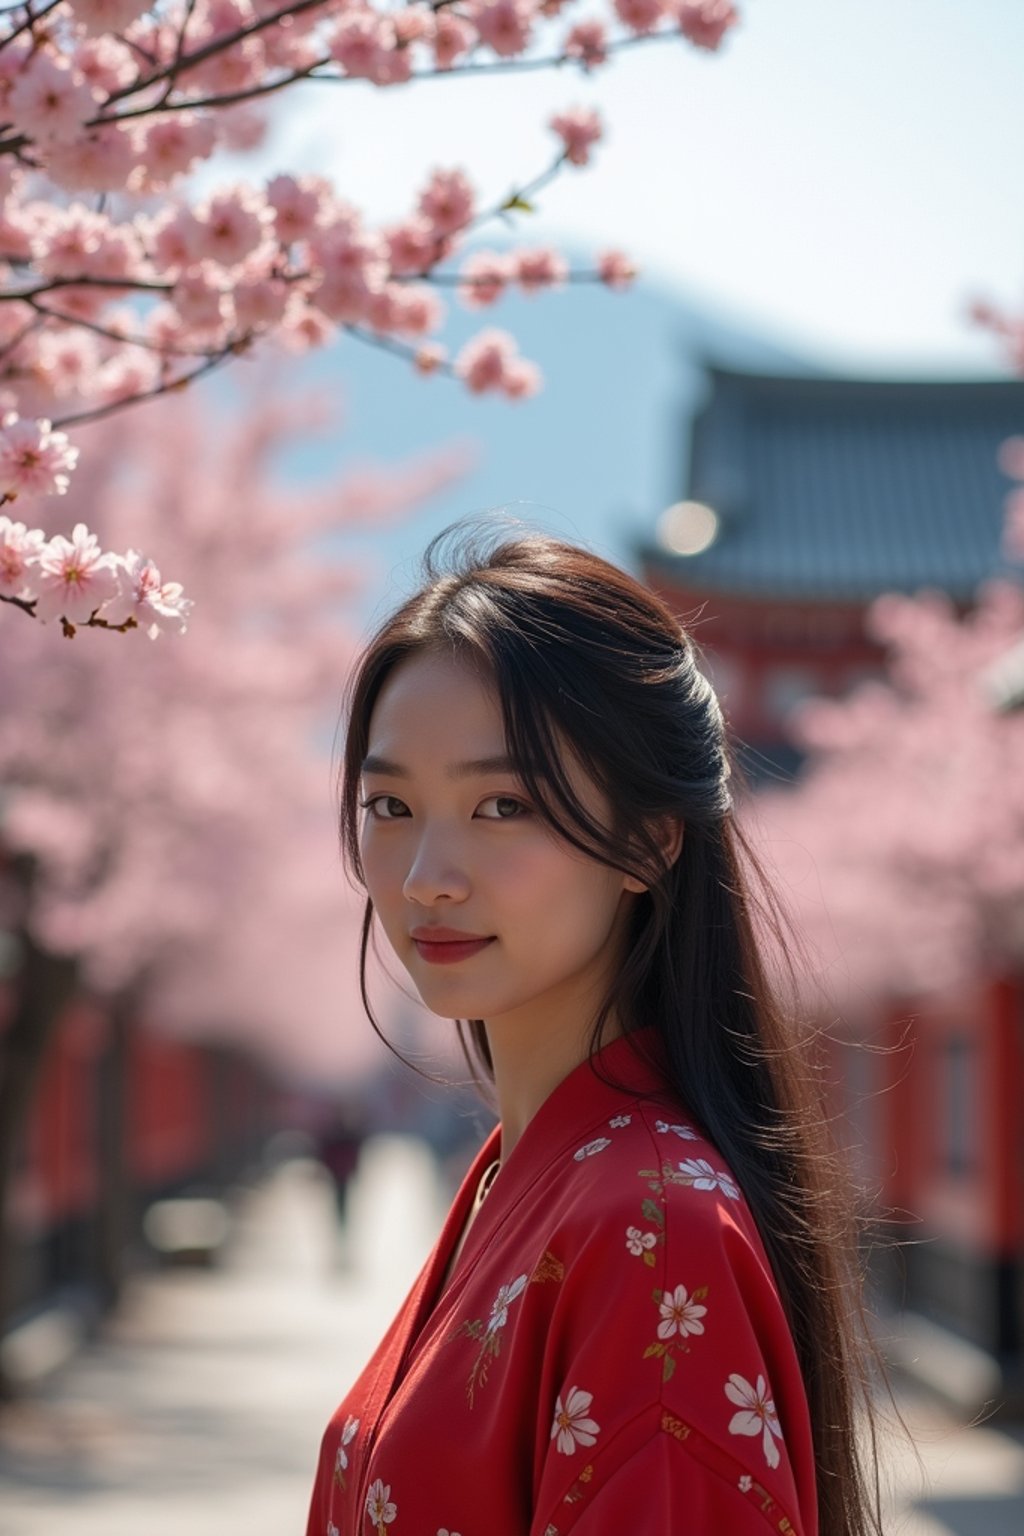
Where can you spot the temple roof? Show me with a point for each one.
(844, 488)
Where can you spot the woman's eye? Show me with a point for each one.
(373, 801)
(519, 809)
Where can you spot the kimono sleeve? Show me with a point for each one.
(663, 1488)
(670, 1380)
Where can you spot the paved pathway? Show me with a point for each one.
(201, 1410)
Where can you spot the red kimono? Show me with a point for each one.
(610, 1355)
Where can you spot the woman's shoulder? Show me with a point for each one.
(652, 1172)
(668, 1320)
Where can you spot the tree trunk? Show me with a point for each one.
(44, 986)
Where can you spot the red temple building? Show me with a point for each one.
(804, 499)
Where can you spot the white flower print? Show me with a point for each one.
(379, 1506)
(757, 1415)
(572, 1424)
(686, 1132)
(679, 1314)
(637, 1241)
(341, 1462)
(699, 1173)
(499, 1307)
(619, 1121)
(591, 1147)
(444, 1532)
(746, 1483)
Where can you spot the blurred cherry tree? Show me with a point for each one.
(167, 842)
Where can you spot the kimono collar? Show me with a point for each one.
(633, 1063)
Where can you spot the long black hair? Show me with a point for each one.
(580, 651)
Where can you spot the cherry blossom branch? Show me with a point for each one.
(30, 20)
(164, 348)
(216, 45)
(52, 284)
(179, 48)
(15, 341)
(397, 348)
(315, 72)
(170, 386)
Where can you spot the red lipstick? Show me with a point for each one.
(444, 946)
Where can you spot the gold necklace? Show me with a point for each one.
(486, 1180)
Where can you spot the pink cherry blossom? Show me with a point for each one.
(303, 327)
(615, 269)
(131, 372)
(201, 299)
(13, 59)
(231, 225)
(489, 361)
(173, 238)
(296, 203)
(381, 308)
(429, 358)
(522, 379)
(171, 146)
(353, 268)
(640, 15)
(99, 159)
(538, 269)
(1013, 526)
(104, 62)
(242, 127)
(68, 359)
(19, 551)
(588, 42)
(142, 595)
(98, 16)
(360, 41)
(416, 24)
(487, 274)
(394, 66)
(17, 227)
(453, 39)
(705, 22)
(504, 25)
(447, 201)
(49, 100)
(34, 460)
(1011, 458)
(414, 245)
(66, 239)
(75, 578)
(259, 301)
(578, 129)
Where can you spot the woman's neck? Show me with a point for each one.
(528, 1067)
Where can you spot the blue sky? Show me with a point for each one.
(825, 192)
(842, 174)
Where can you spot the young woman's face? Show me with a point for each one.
(449, 842)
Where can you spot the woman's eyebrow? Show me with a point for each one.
(476, 766)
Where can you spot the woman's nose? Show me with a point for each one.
(435, 872)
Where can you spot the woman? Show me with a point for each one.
(636, 1318)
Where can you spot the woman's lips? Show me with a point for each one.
(446, 952)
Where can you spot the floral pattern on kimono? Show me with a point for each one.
(610, 1351)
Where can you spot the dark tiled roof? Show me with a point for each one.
(843, 488)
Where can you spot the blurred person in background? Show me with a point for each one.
(643, 1309)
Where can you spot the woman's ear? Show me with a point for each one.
(670, 831)
(670, 837)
